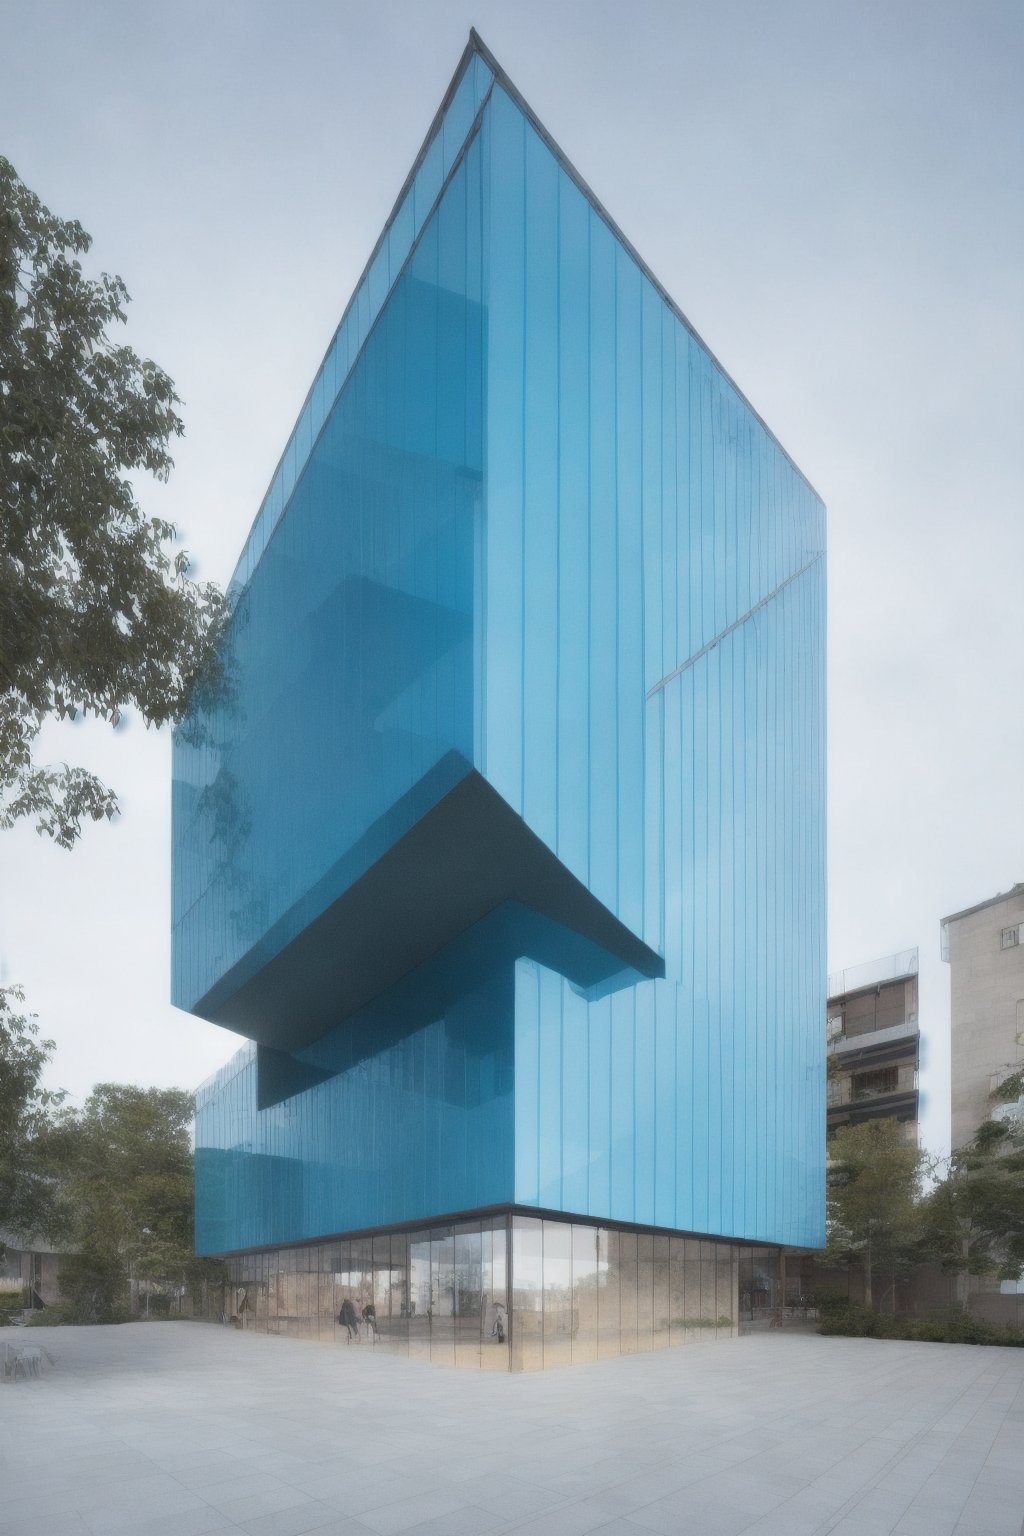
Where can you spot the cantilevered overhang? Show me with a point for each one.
(469, 856)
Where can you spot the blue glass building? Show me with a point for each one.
(504, 844)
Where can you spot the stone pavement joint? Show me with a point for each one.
(187, 1429)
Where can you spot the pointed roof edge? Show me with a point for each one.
(477, 45)
(473, 48)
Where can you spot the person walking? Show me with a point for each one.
(349, 1319)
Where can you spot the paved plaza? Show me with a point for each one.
(185, 1429)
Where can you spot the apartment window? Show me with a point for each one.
(869, 1085)
(1010, 937)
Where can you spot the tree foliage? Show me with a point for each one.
(973, 1221)
(27, 1110)
(124, 1165)
(874, 1183)
(97, 611)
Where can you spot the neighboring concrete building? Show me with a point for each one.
(504, 846)
(874, 1043)
(984, 945)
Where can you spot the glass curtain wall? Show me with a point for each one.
(440, 1294)
(760, 1285)
(590, 1292)
(436, 1294)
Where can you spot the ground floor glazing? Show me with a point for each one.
(505, 1292)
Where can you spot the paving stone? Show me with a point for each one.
(191, 1430)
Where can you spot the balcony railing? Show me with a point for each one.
(872, 972)
(841, 1091)
(873, 1039)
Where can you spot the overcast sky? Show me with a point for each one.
(832, 193)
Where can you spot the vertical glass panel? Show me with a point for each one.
(745, 1284)
(662, 1330)
(400, 1290)
(401, 237)
(459, 118)
(263, 1293)
(726, 1277)
(494, 1300)
(628, 1294)
(559, 1310)
(677, 1292)
(428, 182)
(420, 1297)
(327, 1321)
(443, 1296)
(755, 1296)
(609, 1332)
(585, 1292)
(377, 281)
(273, 1294)
(296, 1309)
(691, 1283)
(527, 1294)
(362, 1283)
(468, 1295)
(645, 1291)
(708, 1309)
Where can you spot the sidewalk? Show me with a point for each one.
(184, 1429)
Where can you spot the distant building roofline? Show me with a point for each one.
(979, 906)
(872, 973)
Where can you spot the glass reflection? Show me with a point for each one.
(579, 1292)
(468, 1299)
(608, 1332)
(662, 1336)
(527, 1294)
(494, 1299)
(559, 1308)
(442, 1297)
(419, 1297)
(645, 1291)
(585, 1271)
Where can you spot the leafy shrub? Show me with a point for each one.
(50, 1317)
(69, 1313)
(829, 1303)
(94, 1285)
(851, 1321)
(10, 1296)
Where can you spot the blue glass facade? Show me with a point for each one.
(505, 843)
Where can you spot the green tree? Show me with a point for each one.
(873, 1185)
(27, 1110)
(973, 1220)
(97, 611)
(126, 1179)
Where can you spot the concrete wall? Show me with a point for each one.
(987, 1008)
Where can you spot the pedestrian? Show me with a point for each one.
(349, 1319)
